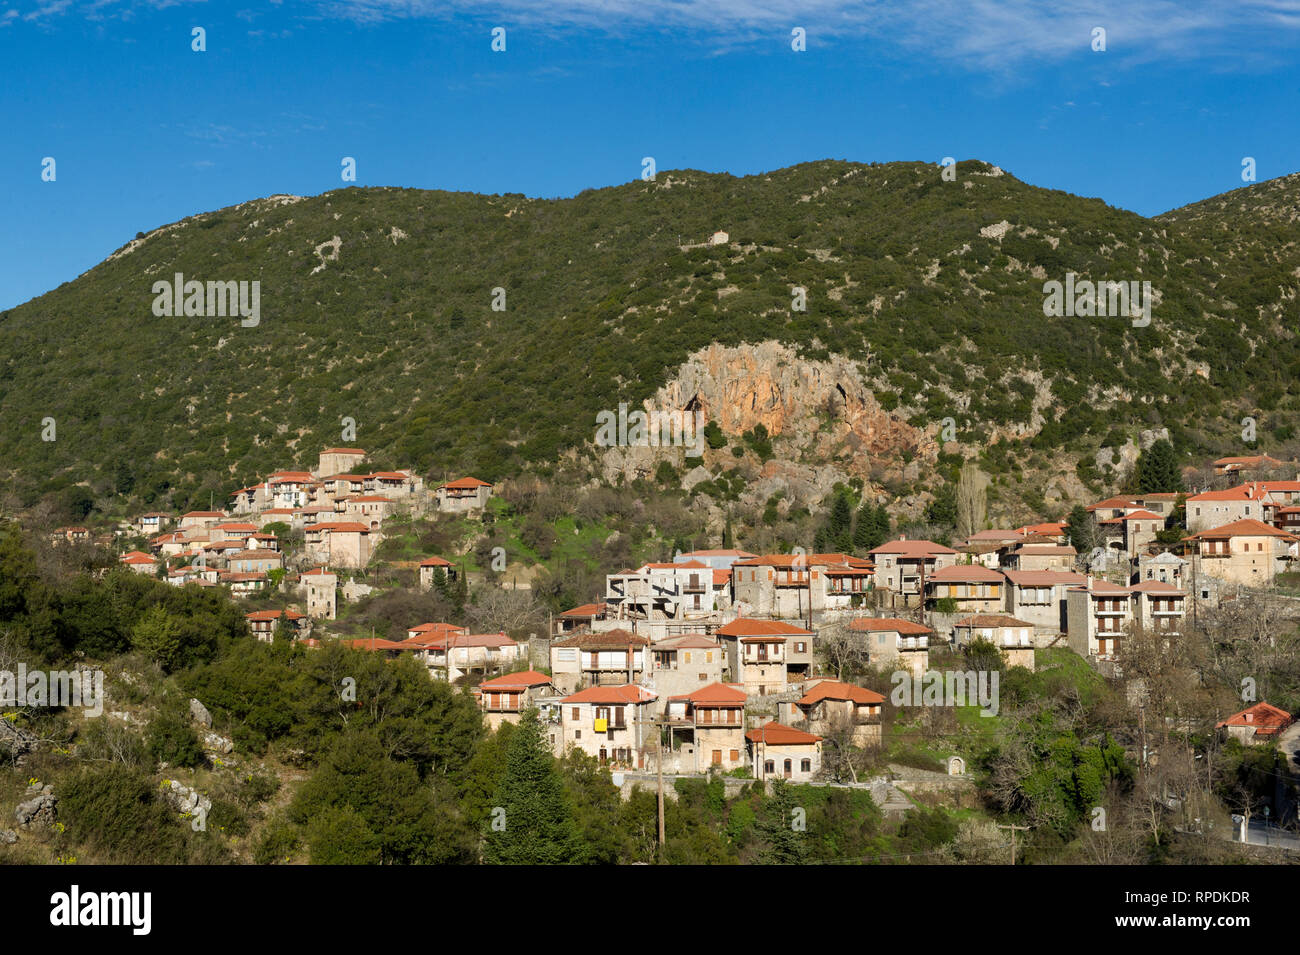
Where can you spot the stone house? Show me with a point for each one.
(706, 728)
(611, 723)
(783, 752)
(831, 706)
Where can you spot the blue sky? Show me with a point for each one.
(145, 131)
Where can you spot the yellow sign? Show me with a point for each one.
(602, 726)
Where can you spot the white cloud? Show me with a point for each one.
(988, 34)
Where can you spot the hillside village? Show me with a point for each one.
(721, 660)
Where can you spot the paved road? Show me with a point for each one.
(1258, 834)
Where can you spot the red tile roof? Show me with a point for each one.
(879, 624)
(466, 483)
(516, 681)
(1043, 578)
(1243, 528)
(1268, 720)
(749, 627)
(629, 693)
(912, 548)
(775, 734)
(966, 572)
(835, 690)
(715, 694)
(435, 562)
(609, 640)
(585, 610)
(991, 620)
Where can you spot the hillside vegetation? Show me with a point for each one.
(376, 305)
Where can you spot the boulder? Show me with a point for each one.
(199, 713)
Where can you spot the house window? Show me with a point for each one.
(769, 767)
(577, 734)
(735, 755)
(805, 766)
(801, 648)
(574, 714)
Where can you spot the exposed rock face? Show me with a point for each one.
(817, 412)
(40, 810)
(187, 800)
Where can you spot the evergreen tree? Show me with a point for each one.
(1081, 530)
(839, 526)
(1157, 469)
(538, 826)
(782, 842)
(943, 509)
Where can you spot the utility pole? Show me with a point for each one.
(1014, 829)
(659, 769)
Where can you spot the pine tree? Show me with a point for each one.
(839, 526)
(782, 842)
(1157, 469)
(537, 827)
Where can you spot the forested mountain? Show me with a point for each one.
(376, 304)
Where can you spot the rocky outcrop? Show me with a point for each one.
(819, 413)
(40, 810)
(189, 801)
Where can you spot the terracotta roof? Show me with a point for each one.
(1051, 529)
(466, 483)
(340, 527)
(1141, 514)
(775, 734)
(715, 694)
(273, 615)
(514, 681)
(629, 693)
(749, 627)
(609, 640)
(136, 557)
(1242, 492)
(878, 624)
(435, 562)
(1043, 578)
(835, 690)
(991, 620)
(687, 641)
(965, 572)
(1247, 527)
(912, 548)
(343, 451)
(585, 610)
(1032, 550)
(375, 643)
(1264, 717)
(1157, 587)
(721, 577)
(391, 475)
(322, 571)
